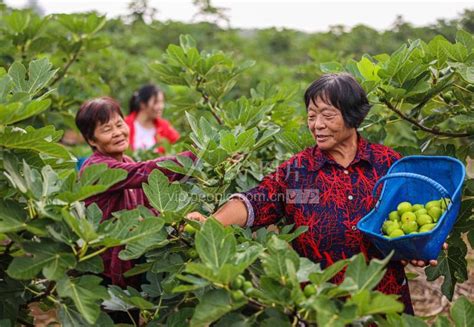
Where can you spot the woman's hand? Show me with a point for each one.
(422, 263)
(233, 212)
(196, 216)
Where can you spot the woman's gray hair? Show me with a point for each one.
(342, 91)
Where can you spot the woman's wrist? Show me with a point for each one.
(233, 212)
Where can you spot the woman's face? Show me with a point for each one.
(111, 138)
(327, 125)
(154, 107)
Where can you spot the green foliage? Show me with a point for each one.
(52, 259)
(163, 196)
(214, 304)
(231, 138)
(238, 120)
(462, 312)
(86, 293)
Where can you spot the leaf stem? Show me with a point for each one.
(461, 88)
(207, 100)
(66, 67)
(131, 318)
(93, 254)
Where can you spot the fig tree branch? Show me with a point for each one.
(422, 127)
(66, 67)
(207, 100)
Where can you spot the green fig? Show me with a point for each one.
(404, 207)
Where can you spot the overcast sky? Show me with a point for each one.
(302, 15)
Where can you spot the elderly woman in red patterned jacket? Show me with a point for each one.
(341, 168)
(103, 127)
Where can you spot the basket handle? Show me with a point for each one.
(440, 188)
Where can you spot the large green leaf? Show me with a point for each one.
(127, 299)
(273, 292)
(82, 24)
(329, 313)
(12, 216)
(99, 174)
(241, 143)
(12, 299)
(38, 140)
(51, 181)
(95, 179)
(246, 256)
(28, 183)
(197, 136)
(180, 318)
(78, 223)
(204, 271)
(274, 260)
(213, 305)
(94, 265)
(53, 259)
(296, 141)
(462, 312)
(438, 49)
(452, 265)
(322, 276)
(16, 112)
(137, 229)
(168, 74)
(6, 86)
(196, 283)
(33, 181)
(86, 293)
(224, 275)
(18, 20)
(185, 166)
(163, 195)
(244, 113)
(215, 244)
(465, 71)
(176, 55)
(147, 242)
(17, 74)
(382, 304)
(376, 303)
(366, 277)
(397, 60)
(403, 320)
(70, 317)
(40, 73)
(227, 271)
(442, 321)
(36, 185)
(368, 69)
(331, 67)
(465, 38)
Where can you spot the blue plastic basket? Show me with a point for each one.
(80, 162)
(417, 179)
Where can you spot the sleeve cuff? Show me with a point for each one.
(248, 205)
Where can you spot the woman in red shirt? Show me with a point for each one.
(328, 186)
(147, 127)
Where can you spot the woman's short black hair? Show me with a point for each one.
(143, 95)
(343, 92)
(94, 112)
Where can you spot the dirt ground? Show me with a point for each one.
(426, 296)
